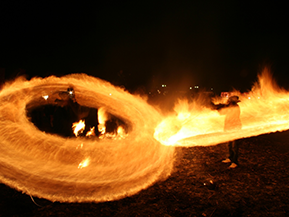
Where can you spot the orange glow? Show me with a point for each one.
(79, 169)
(102, 118)
(78, 127)
(91, 132)
(265, 111)
(121, 132)
(123, 163)
(45, 97)
(84, 163)
(79, 146)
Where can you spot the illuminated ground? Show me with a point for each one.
(259, 187)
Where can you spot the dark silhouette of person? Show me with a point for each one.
(63, 118)
(68, 111)
(65, 113)
(91, 121)
(232, 123)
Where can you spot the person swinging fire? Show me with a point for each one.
(232, 123)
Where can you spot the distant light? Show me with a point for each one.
(164, 85)
(110, 94)
(212, 88)
(249, 97)
(191, 88)
(196, 87)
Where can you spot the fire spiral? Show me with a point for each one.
(79, 169)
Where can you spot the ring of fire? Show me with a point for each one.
(83, 170)
(47, 166)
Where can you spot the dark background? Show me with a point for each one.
(144, 44)
(220, 44)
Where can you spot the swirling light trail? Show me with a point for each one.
(264, 109)
(79, 169)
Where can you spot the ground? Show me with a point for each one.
(200, 185)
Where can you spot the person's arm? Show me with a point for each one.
(222, 109)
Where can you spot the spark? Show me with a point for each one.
(84, 163)
(45, 97)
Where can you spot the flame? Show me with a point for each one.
(91, 132)
(78, 127)
(121, 131)
(102, 118)
(45, 97)
(264, 111)
(84, 163)
(102, 115)
(119, 134)
(46, 166)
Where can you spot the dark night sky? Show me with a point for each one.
(223, 44)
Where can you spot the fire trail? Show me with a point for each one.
(79, 169)
(263, 110)
(94, 170)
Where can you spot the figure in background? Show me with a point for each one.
(67, 112)
(64, 115)
(232, 123)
